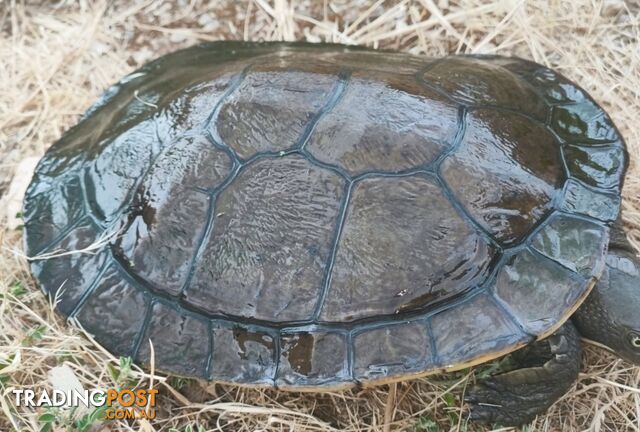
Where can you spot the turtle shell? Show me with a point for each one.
(315, 216)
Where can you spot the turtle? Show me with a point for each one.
(314, 217)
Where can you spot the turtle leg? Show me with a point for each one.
(547, 369)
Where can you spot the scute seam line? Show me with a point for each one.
(334, 98)
(572, 274)
(512, 317)
(65, 232)
(351, 356)
(448, 193)
(91, 288)
(145, 324)
(326, 280)
(278, 355)
(435, 357)
(210, 126)
(215, 140)
(209, 361)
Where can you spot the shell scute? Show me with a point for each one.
(461, 333)
(475, 82)
(538, 299)
(66, 277)
(383, 125)
(384, 266)
(601, 167)
(114, 312)
(578, 244)
(271, 109)
(312, 358)
(177, 340)
(156, 241)
(583, 123)
(395, 350)
(243, 356)
(506, 172)
(53, 208)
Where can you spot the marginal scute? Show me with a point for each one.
(65, 278)
(392, 350)
(537, 291)
(384, 125)
(505, 173)
(385, 265)
(52, 207)
(114, 312)
(477, 82)
(270, 242)
(242, 356)
(473, 328)
(312, 358)
(191, 109)
(575, 243)
(60, 163)
(179, 341)
(365, 62)
(555, 88)
(270, 110)
(580, 199)
(596, 166)
(583, 123)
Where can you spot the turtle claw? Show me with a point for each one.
(482, 414)
(470, 399)
(483, 409)
(500, 400)
(516, 397)
(483, 401)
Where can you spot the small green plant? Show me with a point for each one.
(179, 383)
(452, 413)
(85, 422)
(121, 373)
(52, 416)
(17, 289)
(34, 335)
(4, 378)
(426, 424)
(47, 419)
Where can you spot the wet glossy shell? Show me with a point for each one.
(319, 216)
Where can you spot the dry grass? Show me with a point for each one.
(56, 57)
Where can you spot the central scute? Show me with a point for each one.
(271, 238)
(403, 247)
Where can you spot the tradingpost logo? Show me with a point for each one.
(120, 404)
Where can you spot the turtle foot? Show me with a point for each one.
(517, 397)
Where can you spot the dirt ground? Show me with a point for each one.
(56, 57)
